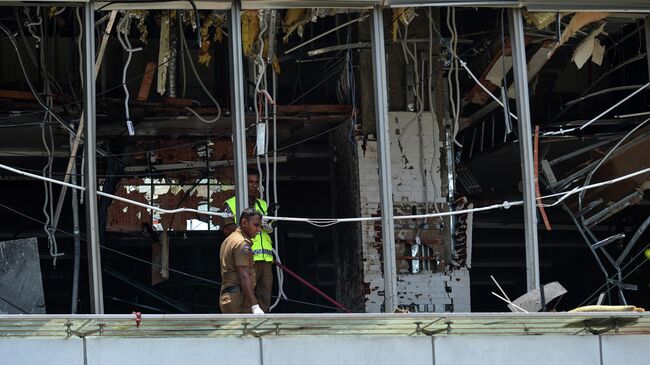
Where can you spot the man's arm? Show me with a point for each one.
(229, 228)
(228, 224)
(246, 284)
(267, 225)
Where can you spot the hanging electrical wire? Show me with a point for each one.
(346, 85)
(410, 57)
(47, 137)
(259, 67)
(196, 25)
(28, 48)
(453, 83)
(79, 42)
(276, 250)
(456, 77)
(40, 101)
(432, 110)
(29, 23)
(48, 206)
(326, 222)
(106, 91)
(186, 50)
(123, 28)
(261, 105)
(463, 64)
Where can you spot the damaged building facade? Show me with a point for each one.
(469, 145)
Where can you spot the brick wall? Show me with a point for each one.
(434, 287)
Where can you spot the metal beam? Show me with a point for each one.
(72, 159)
(77, 236)
(459, 3)
(451, 188)
(92, 220)
(627, 6)
(647, 42)
(383, 147)
(608, 240)
(532, 5)
(68, 3)
(225, 5)
(525, 147)
(195, 165)
(631, 199)
(536, 5)
(632, 242)
(237, 105)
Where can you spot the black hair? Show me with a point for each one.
(249, 213)
(253, 172)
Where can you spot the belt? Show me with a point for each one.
(230, 290)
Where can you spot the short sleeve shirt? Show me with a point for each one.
(231, 220)
(235, 251)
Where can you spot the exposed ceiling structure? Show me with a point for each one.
(164, 131)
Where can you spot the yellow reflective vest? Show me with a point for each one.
(262, 244)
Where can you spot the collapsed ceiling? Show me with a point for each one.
(164, 122)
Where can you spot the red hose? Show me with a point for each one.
(303, 281)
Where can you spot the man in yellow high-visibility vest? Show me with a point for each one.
(262, 243)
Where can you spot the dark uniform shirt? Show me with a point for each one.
(235, 251)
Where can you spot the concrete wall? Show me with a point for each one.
(316, 350)
(431, 289)
(30, 351)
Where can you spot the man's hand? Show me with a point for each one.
(272, 208)
(256, 309)
(266, 225)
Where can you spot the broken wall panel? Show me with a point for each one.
(495, 68)
(124, 217)
(172, 185)
(410, 198)
(435, 292)
(21, 286)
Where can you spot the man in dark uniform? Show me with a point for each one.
(237, 267)
(262, 244)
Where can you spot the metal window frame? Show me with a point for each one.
(92, 218)
(237, 96)
(627, 6)
(381, 108)
(520, 71)
(243, 5)
(383, 150)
